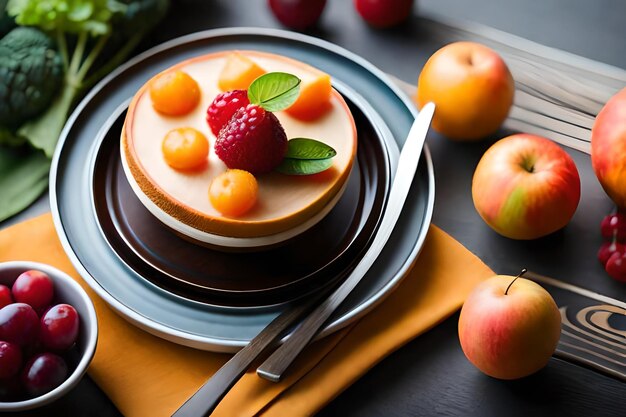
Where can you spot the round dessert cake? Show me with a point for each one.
(284, 203)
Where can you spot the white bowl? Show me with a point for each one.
(66, 290)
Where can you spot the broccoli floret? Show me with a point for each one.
(31, 72)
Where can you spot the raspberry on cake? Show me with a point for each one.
(223, 107)
(253, 140)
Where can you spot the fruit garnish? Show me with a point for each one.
(223, 107)
(306, 157)
(233, 192)
(314, 99)
(34, 288)
(174, 93)
(275, 91)
(253, 140)
(614, 226)
(185, 148)
(238, 73)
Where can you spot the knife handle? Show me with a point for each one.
(208, 396)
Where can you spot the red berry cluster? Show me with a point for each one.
(34, 333)
(248, 138)
(612, 254)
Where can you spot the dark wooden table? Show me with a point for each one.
(430, 376)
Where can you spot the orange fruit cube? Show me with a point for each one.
(174, 93)
(233, 192)
(314, 99)
(238, 73)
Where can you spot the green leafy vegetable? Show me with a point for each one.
(92, 37)
(82, 30)
(274, 91)
(304, 148)
(291, 166)
(61, 18)
(70, 16)
(23, 177)
(31, 72)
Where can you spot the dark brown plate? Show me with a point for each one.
(307, 262)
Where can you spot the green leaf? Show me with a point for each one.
(291, 166)
(43, 132)
(274, 91)
(23, 177)
(305, 148)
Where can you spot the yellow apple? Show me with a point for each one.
(472, 88)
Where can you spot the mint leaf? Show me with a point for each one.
(305, 148)
(291, 166)
(274, 91)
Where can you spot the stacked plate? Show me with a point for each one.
(210, 299)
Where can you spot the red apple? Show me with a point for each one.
(608, 148)
(297, 14)
(509, 334)
(525, 187)
(472, 88)
(384, 13)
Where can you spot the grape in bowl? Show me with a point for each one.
(48, 334)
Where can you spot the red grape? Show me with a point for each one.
(19, 324)
(384, 13)
(616, 266)
(34, 288)
(614, 225)
(43, 373)
(59, 327)
(5, 296)
(297, 14)
(609, 248)
(10, 360)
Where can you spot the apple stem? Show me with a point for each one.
(515, 279)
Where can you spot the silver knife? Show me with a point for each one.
(274, 367)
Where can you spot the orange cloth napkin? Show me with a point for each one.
(147, 376)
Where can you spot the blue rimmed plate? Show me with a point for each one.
(189, 322)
